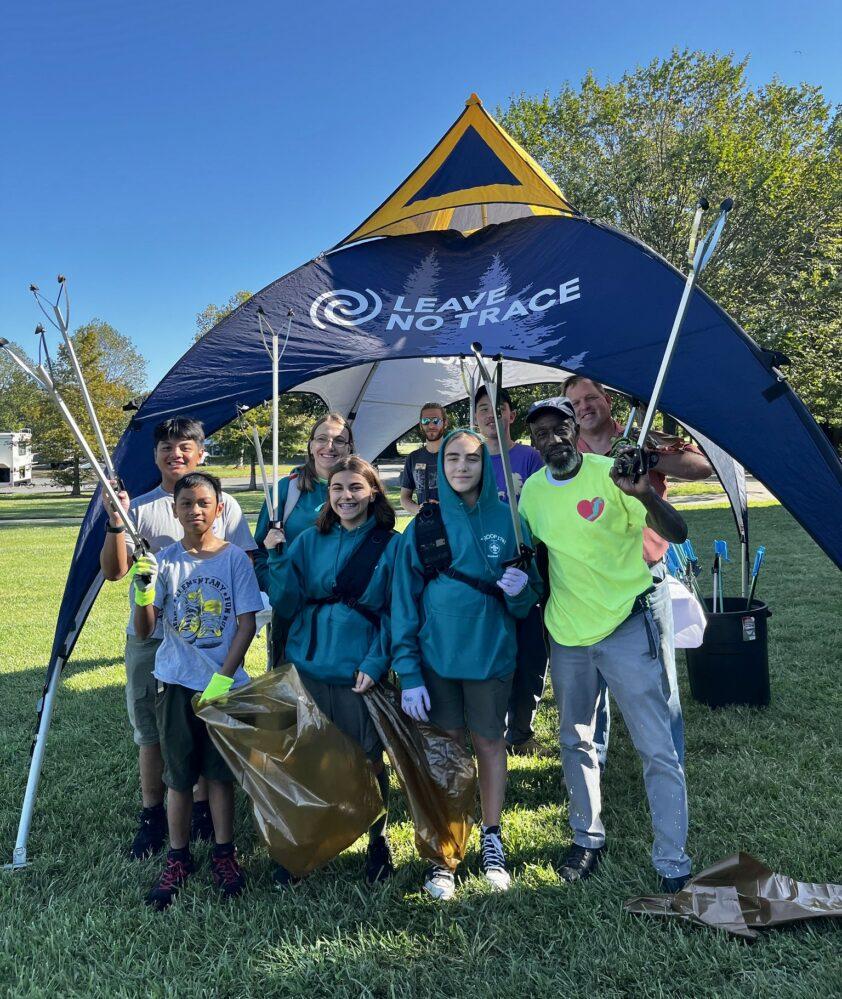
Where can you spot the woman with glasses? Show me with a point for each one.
(420, 468)
(301, 496)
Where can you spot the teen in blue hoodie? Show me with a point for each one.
(341, 651)
(329, 442)
(454, 645)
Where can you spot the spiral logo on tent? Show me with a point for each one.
(344, 307)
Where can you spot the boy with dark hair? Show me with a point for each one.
(420, 470)
(179, 447)
(205, 593)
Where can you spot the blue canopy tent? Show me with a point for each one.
(381, 323)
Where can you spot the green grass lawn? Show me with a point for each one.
(765, 781)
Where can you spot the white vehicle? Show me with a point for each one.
(16, 458)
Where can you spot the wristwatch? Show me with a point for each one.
(114, 530)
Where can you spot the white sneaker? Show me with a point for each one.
(440, 883)
(493, 860)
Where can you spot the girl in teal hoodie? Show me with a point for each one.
(339, 650)
(453, 643)
(330, 441)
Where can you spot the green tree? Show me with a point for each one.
(18, 394)
(114, 372)
(296, 410)
(638, 153)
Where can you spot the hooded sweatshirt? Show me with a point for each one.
(345, 640)
(303, 516)
(449, 626)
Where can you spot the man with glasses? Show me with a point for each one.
(420, 468)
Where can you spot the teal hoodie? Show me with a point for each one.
(345, 640)
(447, 626)
(303, 516)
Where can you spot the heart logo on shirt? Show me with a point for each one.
(591, 509)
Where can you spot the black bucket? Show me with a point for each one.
(732, 664)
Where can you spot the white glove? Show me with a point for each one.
(274, 537)
(513, 581)
(146, 565)
(416, 703)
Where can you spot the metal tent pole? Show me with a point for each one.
(19, 857)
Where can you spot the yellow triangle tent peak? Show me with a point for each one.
(475, 175)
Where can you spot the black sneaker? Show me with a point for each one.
(492, 859)
(378, 861)
(151, 834)
(580, 862)
(178, 868)
(227, 874)
(201, 823)
(440, 883)
(282, 878)
(672, 886)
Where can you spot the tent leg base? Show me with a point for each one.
(19, 860)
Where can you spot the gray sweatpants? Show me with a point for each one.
(636, 680)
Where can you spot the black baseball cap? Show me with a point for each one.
(558, 404)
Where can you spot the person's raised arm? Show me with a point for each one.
(114, 558)
(147, 600)
(688, 465)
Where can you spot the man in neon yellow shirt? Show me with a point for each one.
(591, 519)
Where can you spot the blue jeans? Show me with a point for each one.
(631, 667)
(659, 602)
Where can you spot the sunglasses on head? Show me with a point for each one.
(435, 420)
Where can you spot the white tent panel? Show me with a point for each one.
(395, 393)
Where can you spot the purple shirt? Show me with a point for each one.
(524, 461)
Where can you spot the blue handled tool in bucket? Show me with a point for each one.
(720, 555)
(760, 554)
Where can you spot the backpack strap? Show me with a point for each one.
(352, 581)
(293, 496)
(434, 550)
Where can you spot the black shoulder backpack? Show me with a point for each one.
(352, 581)
(436, 556)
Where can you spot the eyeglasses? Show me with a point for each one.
(338, 442)
(436, 421)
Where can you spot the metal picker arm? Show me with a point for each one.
(701, 255)
(63, 323)
(258, 450)
(44, 380)
(491, 385)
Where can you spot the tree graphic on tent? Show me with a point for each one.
(527, 332)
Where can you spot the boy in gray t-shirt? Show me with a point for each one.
(205, 592)
(179, 447)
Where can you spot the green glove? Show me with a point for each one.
(218, 687)
(144, 574)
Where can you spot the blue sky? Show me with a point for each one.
(164, 156)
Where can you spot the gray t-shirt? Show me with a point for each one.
(156, 522)
(200, 600)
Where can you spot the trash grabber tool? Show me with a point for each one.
(40, 375)
(492, 385)
(639, 463)
(275, 356)
(720, 552)
(755, 572)
(470, 381)
(62, 323)
(258, 450)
